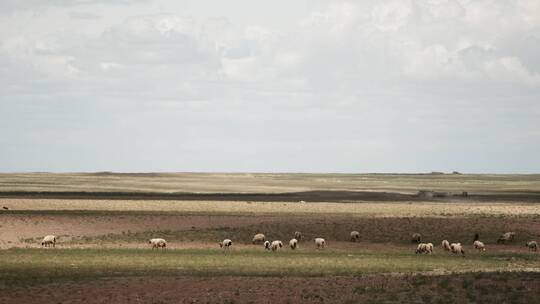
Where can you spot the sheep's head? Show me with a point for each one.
(220, 245)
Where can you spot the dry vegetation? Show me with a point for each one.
(266, 183)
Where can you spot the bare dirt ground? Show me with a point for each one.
(15, 227)
(204, 231)
(464, 288)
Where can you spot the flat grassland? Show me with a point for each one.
(266, 182)
(102, 253)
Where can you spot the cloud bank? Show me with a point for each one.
(341, 86)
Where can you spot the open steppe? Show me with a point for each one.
(103, 222)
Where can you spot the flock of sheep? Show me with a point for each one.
(258, 238)
(320, 243)
(457, 248)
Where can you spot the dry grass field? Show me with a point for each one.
(102, 253)
(266, 182)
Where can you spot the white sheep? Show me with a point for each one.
(445, 245)
(258, 238)
(276, 245)
(506, 237)
(421, 248)
(298, 235)
(267, 245)
(532, 245)
(225, 244)
(479, 245)
(320, 242)
(293, 244)
(158, 243)
(48, 241)
(457, 248)
(424, 248)
(355, 236)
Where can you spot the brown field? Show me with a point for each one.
(460, 288)
(102, 255)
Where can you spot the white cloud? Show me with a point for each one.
(367, 76)
(510, 69)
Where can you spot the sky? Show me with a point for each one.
(270, 86)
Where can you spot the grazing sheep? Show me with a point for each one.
(158, 243)
(320, 242)
(298, 235)
(416, 238)
(479, 246)
(422, 248)
(457, 248)
(267, 245)
(293, 243)
(48, 241)
(532, 245)
(276, 245)
(445, 245)
(258, 238)
(506, 237)
(355, 235)
(225, 244)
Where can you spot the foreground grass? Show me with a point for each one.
(25, 266)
